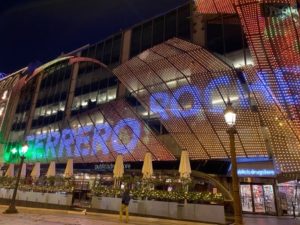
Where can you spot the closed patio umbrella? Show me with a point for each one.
(118, 170)
(23, 171)
(185, 166)
(10, 171)
(119, 167)
(51, 170)
(147, 169)
(69, 169)
(36, 171)
(1, 171)
(185, 169)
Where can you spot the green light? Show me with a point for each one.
(14, 151)
(24, 149)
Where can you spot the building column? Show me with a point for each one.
(8, 115)
(125, 55)
(72, 87)
(33, 104)
(198, 28)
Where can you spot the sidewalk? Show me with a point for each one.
(270, 220)
(33, 216)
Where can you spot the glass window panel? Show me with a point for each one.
(147, 35)
(135, 46)
(184, 22)
(99, 52)
(107, 51)
(258, 198)
(269, 199)
(246, 197)
(116, 51)
(102, 97)
(158, 30)
(111, 93)
(170, 29)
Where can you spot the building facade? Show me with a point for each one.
(162, 86)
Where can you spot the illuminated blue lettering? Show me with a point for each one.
(30, 141)
(217, 106)
(52, 142)
(256, 172)
(260, 86)
(39, 145)
(288, 87)
(82, 139)
(135, 129)
(102, 133)
(66, 143)
(285, 98)
(242, 96)
(158, 104)
(194, 109)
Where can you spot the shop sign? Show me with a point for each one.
(107, 167)
(256, 172)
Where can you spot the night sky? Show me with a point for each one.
(42, 29)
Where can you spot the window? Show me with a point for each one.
(183, 25)
(158, 30)
(224, 39)
(147, 36)
(116, 50)
(135, 41)
(170, 27)
(99, 52)
(107, 52)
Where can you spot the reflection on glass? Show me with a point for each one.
(246, 198)
(269, 199)
(258, 198)
(289, 195)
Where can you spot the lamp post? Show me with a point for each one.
(230, 118)
(12, 206)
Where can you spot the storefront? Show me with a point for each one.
(289, 197)
(258, 198)
(258, 187)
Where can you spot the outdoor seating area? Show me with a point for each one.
(176, 193)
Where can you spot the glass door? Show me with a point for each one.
(269, 198)
(258, 198)
(246, 198)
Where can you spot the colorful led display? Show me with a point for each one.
(186, 87)
(86, 139)
(215, 6)
(189, 97)
(272, 32)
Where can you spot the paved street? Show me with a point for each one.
(270, 220)
(29, 216)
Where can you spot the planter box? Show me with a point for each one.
(30, 196)
(196, 212)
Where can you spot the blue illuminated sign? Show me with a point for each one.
(135, 127)
(161, 101)
(77, 142)
(256, 172)
(105, 138)
(166, 105)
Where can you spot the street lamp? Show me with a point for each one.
(12, 206)
(230, 118)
